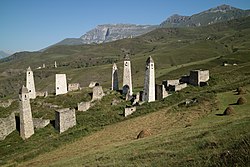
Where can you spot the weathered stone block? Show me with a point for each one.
(73, 86)
(83, 106)
(64, 119)
(129, 110)
(40, 123)
(97, 93)
(7, 126)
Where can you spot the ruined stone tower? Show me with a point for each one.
(30, 84)
(114, 78)
(149, 81)
(127, 78)
(61, 84)
(26, 122)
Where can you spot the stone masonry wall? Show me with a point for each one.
(64, 119)
(7, 126)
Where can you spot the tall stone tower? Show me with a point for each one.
(149, 82)
(30, 84)
(127, 77)
(61, 84)
(55, 65)
(115, 85)
(26, 122)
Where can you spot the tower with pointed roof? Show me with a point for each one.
(26, 122)
(114, 78)
(127, 77)
(30, 83)
(149, 81)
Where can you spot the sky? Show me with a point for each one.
(30, 25)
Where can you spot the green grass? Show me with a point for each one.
(181, 135)
(192, 136)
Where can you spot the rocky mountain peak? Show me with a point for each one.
(222, 8)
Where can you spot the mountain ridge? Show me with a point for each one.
(213, 15)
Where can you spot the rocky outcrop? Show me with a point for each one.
(210, 16)
(112, 32)
(108, 33)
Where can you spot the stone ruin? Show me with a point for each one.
(40, 123)
(42, 94)
(26, 122)
(61, 84)
(149, 82)
(6, 104)
(160, 92)
(7, 126)
(73, 86)
(198, 77)
(30, 84)
(83, 106)
(97, 93)
(129, 110)
(174, 85)
(64, 119)
(93, 84)
(127, 77)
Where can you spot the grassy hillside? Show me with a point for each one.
(169, 48)
(192, 135)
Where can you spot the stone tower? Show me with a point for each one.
(55, 65)
(114, 78)
(61, 84)
(149, 81)
(26, 122)
(127, 77)
(30, 84)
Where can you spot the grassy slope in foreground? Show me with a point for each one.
(195, 136)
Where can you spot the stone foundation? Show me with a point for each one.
(40, 123)
(73, 87)
(64, 119)
(83, 106)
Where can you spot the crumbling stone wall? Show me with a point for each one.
(7, 126)
(97, 93)
(73, 86)
(129, 110)
(177, 87)
(83, 106)
(40, 123)
(42, 94)
(160, 92)
(64, 119)
(198, 76)
(171, 82)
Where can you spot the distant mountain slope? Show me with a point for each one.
(211, 16)
(3, 54)
(108, 33)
